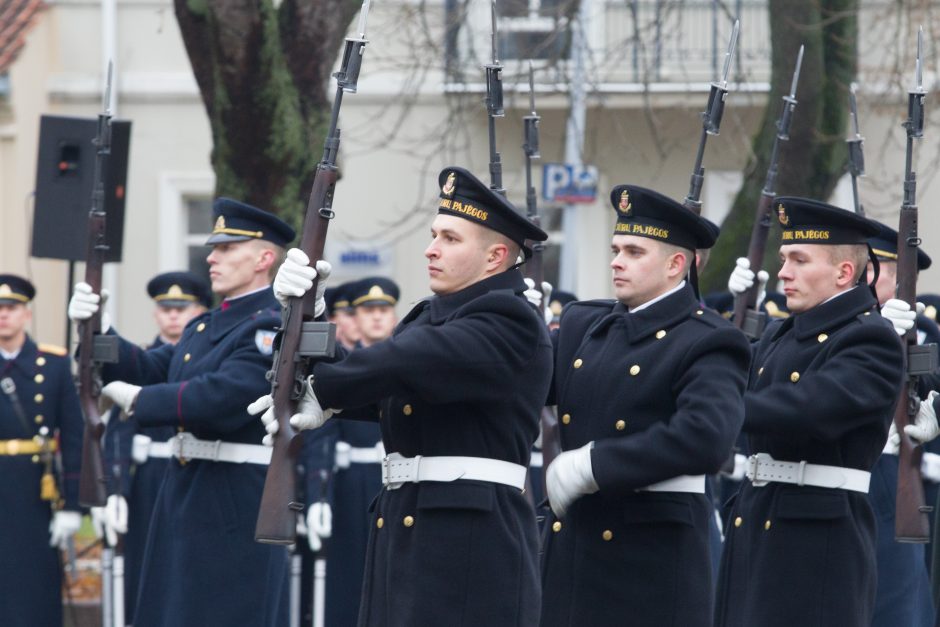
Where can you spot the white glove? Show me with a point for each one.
(742, 279)
(64, 525)
(295, 277)
(319, 524)
(570, 476)
(84, 304)
(122, 394)
(740, 467)
(537, 297)
(930, 467)
(893, 445)
(309, 413)
(898, 313)
(925, 426)
(110, 520)
(140, 448)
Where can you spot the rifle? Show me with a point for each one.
(856, 156)
(911, 522)
(746, 316)
(301, 339)
(711, 125)
(494, 106)
(97, 349)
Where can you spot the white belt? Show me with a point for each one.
(397, 470)
(682, 483)
(536, 460)
(347, 454)
(143, 447)
(763, 469)
(185, 446)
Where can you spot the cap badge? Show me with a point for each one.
(376, 292)
(5, 290)
(625, 205)
(782, 215)
(174, 291)
(449, 184)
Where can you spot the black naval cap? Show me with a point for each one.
(465, 196)
(372, 291)
(560, 298)
(15, 290)
(179, 289)
(806, 221)
(341, 299)
(885, 246)
(237, 222)
(646, 213)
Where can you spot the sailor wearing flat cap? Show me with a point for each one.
(459, 386)
(649, 393)
(822, 388)
(202, 529)
(40, 416)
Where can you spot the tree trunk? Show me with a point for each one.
(814, 158)
(263, 73)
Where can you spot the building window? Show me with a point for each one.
(199, 227)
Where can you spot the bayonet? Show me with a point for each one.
(494, 104)
(856, 156)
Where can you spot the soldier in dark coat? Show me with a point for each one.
(822, 390)
(459, 387)
(37, 402)
(136, 457)
(202, 565)
(649, 392)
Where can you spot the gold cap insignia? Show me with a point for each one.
(782, 215)
(220, 224)
(931, 312)
(449, 184)
(174, 292)
(625, 205)
(375, 292)
(5, 290)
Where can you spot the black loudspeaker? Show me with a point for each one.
(65, 178)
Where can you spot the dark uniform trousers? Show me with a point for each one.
(464, 374)
(822, 389)
(659, 392)
(138, 484)
(30, 571)
(202, 565)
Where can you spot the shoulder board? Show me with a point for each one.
(599, 302)
(53, 349)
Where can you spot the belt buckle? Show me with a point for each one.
(386, 474)
(177, 447)
(753, 463)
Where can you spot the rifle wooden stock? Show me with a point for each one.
(277, 518)
(911, 521)
(755, 253)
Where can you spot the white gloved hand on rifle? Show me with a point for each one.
(319, 524)
(899, 314)
(64, 525)
(295, 278)
(742, 279)
(537, 297)
(110, 520)
(310, 415)
(85, 303)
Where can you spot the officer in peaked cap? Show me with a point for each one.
(39, 412)
(136, 472)
(559, 299)
(458, 386)
(344, 316)
(374, 300)
(822, 390)
(202, 529)
(649, 389)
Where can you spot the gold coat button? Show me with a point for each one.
(867, 313)
(556, 526)
(660, 334)
(566, 419)
(39, 418)
(699, 312)
(620, 425)
(607, 535)
(822, 337)
(760, 371)
(380, 522)
(738, 521)
(40, 361)
(409, 521)
(407, 409)
(578, 362)
(634, 370)
(39, 398)
(187, 357)
(766, 525)
(35, 459)
(794, 376)
(200, 327)
(39, 378)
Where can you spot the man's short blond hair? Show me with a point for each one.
(857, 254)
(689, 255)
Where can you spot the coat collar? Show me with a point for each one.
(663, 314)
(831, 314)
(25, 360)
(221, 321)
(443, 306)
